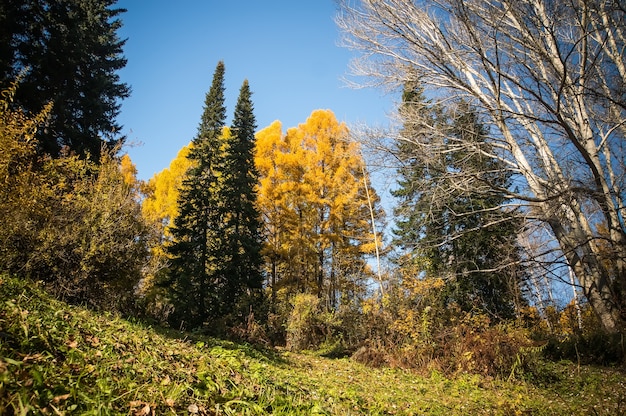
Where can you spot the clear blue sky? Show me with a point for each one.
(287, 49)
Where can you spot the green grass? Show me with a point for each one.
(60, 359)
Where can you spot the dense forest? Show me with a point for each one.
(506, 242)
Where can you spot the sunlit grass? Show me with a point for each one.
(59, 359)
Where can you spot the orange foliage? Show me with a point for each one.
(161, 202)
(313, 202)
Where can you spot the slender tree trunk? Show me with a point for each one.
(579, 316)
(592, 277)
(273, 280)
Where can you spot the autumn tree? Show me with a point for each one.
(95, 243)
(159, 207)
(71, 53)
(547, 78)
(314, 206)
(18, 203)
(162, 191)
(71, 223)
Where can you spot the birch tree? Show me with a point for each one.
(548, 79)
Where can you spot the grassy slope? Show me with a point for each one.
(58, 359)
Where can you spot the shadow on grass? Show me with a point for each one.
(200, 339)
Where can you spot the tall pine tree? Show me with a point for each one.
(193, 281)
(242, 251)
(215, 252)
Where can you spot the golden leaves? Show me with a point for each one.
(311, 195)
(163, 188)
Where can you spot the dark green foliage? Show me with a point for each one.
(450, 217)
(215, 273)
(71, 52)
(598, 348)
(242, 251)
(193, 281)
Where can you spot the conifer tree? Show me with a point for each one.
(71, 52)
(464, 235)
(197, 238)
(315, 209)
(242, 252)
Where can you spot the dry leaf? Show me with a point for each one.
(60, 398)
(144, 411)
(94, 341)
(144, 408)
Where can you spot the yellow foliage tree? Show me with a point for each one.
(20, 199)
(162, 190)
(69, 222)
(129, 171)
(315, 208)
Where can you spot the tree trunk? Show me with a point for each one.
(592, 276)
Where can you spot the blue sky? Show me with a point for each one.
(287, 49)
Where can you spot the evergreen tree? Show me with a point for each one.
(460, 233)
(71, 52)
(414, 175)
(242, 251)
(197, 242)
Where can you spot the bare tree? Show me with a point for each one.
(549, 77)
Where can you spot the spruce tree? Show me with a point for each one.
(242, 251)
(71, 53)
(459, 233)
(194, 281)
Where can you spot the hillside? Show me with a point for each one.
(61, 359)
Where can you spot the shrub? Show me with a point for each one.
(70, 222)
(427, 336)
(304, 326)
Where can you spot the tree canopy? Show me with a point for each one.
(69, 53)
(315, 208)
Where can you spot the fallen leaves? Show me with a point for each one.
(140, 408)
(143, 408)
(60, 398)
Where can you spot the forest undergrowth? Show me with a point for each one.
(61, 359)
